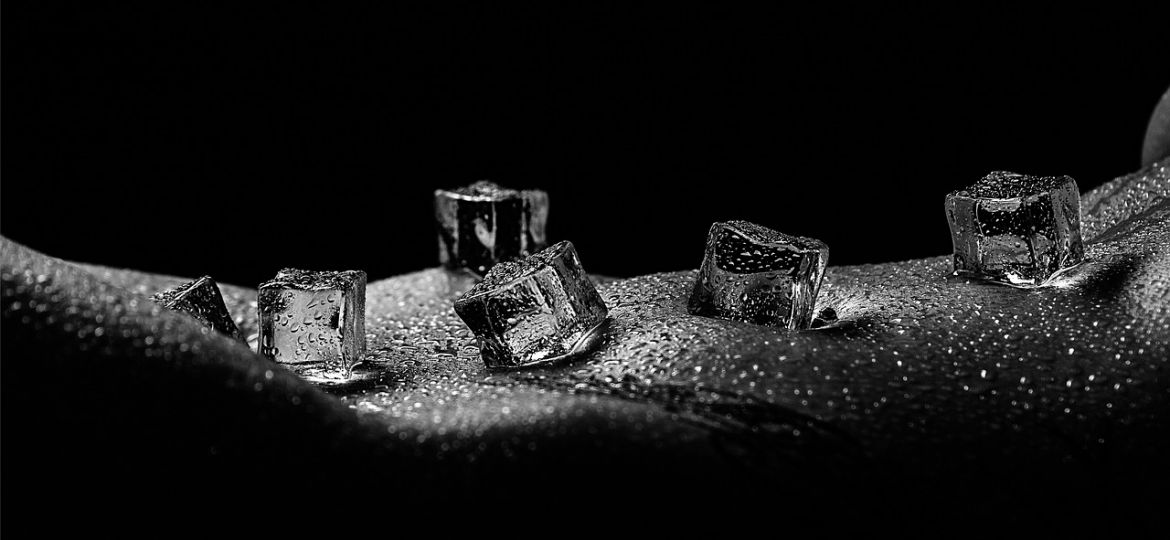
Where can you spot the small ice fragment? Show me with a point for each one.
(824, 318)
(203, 300)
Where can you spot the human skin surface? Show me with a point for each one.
(958, 391)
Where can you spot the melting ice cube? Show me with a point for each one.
(308, 316)
(754, 274)
(533, 310)
(1016, 229)
(483, 224)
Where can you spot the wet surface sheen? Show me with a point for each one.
(921, 370)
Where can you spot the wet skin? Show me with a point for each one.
(927, 384)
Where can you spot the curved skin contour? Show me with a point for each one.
(931, 395)
(1157, 143)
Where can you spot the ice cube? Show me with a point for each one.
(1016, 229)
(203, 300)
(756, 275)
(312, 317)
(482, 224)
(539, 309)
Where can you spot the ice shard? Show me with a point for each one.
(203, 300)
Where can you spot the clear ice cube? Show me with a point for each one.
(203, 300)
(314, 317)
(539, 309)
(1016, 229)
(482, 224)
(757, 275)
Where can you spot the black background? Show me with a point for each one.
(237, 141)
(234, 141)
